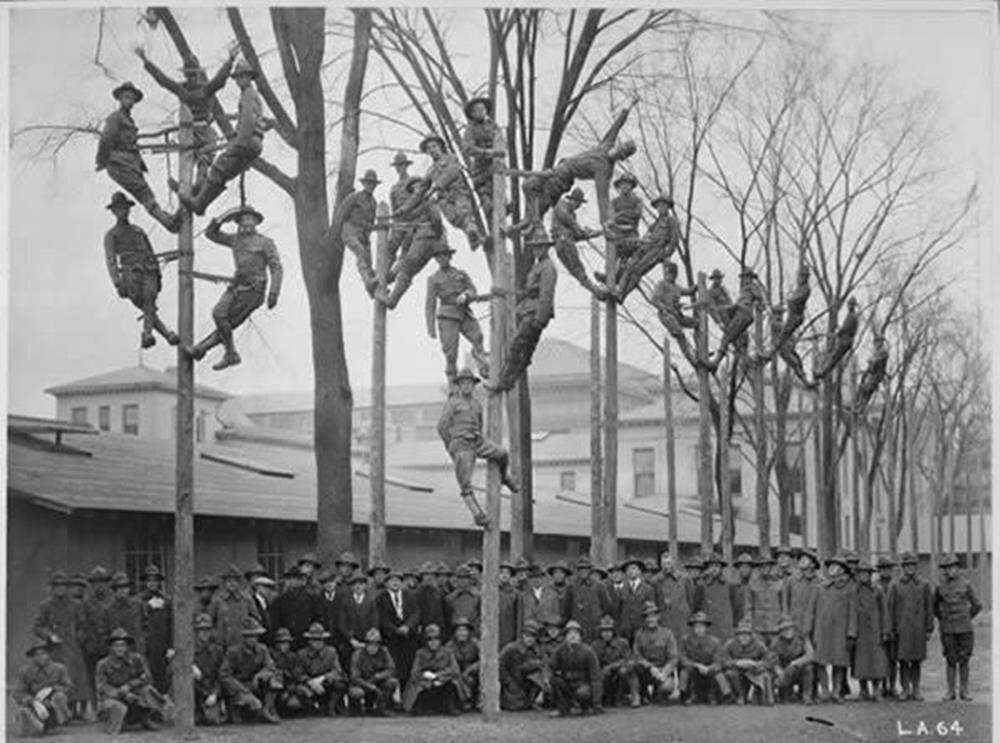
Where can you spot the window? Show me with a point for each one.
(144, 547)
(130, 419)
(199, 427)
(644, 468)
(567, 480)
(78, 415)
(104, 417)
(735, 471)
(271, 550)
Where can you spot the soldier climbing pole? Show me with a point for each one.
(376, 461)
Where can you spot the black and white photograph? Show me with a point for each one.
(503, 372)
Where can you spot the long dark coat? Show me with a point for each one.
(872, 623)
(64, 618)
(911, 617)
(158, 628)
(832, 617)
(588, 603)
(674, 597)
(633, 602)
(720, 600)
(800, 592)
(510, 601)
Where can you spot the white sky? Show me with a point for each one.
(66, 322)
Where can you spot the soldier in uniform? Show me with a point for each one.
(254, 255)
(674, 595)
(430, 598)
(656, 656)
(842, 341)
(125, 612)
(60, 623)
(118, 153)
(377, 573)
(719, 302)
(626, 214)
(796, 303)
(911, 610)
(435, 683)
(134, 270)
(873, 630)
(566, 232)
(463, 602)
(832, 622)
(205, 601)
(94, 628)
(425, 234)
(354, 222)
(576, 676)
(449, 189)
(196, 92)
(125, 690)
(886, 566)
(288, 663)
(233, 608)
(660, 242)
(373, 677)
(766, 600)
(461, 429)
(399, 237)
(701, 658)
(478, 147)
(450, 292)
(208, 656)
(535, 310)
(873, 375)
(157, 627)
(510, 599)
(322, 684)
(399, 622)
(955, 606)
(309, 566)
(666, 299)
(748, 664)
(740, 315)
(42, 692)
(249, 677)
(717, 597)
(800, 590)
(792, 654)
(744, 580)
(588, 599)
(786, 351)
(522, 671)
(618, 670)
(466, 651)
(241, 151)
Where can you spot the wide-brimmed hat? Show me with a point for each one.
(811, 555)
(765, 560)
(293, 571)
(327, 575)
(744, 559)
(606, 622)
(462, 622)
(251, 628)
(400, 158)
(864, 566)
(650, 608)
(120, 634)
(444, 569)
(625, 178)
(310, 557)
(785, 622)
(152, 571)
(119, 199)
(467, 373)
(441, 248)
(257, 569)
(432, 631)
(714, 557)
(426, 568)
(462, 571)
(573, 624)
(127, 87)
(474, 562)
(531, 627)
(58, 578)
(347, 558)
(36, 645)
(242, 67)
(699, 617)
(377, 566)
(840, 559)
(662, 199)
(598, 569)
(370, 176)
(576, 195)
(886, 561)
(316, 631)
(203, 621)
(783, 549)
(373, 635)
(232, 572)
(99, 575)
(583, 563)
(431, 138)
(694, 562)
(716, 274)
(120, 580)
(745, 625)
(395, 573)
(558, 565)
(78, 579)
(908, 558)
(410, 572)
(283, 635)
(478, 99)
(357, 578)
(247, 209)
(948, 561)
(632, 561)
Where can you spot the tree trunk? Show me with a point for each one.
(705, 421)
(782, 472)
(760, 436)
(596, 451)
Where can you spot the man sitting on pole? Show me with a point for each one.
(667, 301)
(118, 153)
(244, 148)
(423, 219)
(354, 222)
(477, 147)
(399, 194)
(461, 429)
(449, 189)
(739, 315)
(786, 351)
(842, 341)
(796, 303)
(566, 231)
(450, 292)
(254, 255)
(661, 241)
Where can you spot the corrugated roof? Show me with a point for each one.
(132, 378)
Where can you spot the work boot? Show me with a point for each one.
(478, 514)
(950, 674)
(169, 221)
(196, 352)
(148, 723)
(268, 713)
(197, 203)
(915, 694)
(509, 483)
(230, 358)
(147, 339)
(963, 681)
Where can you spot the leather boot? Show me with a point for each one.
(168, 335)
(478, 514)
(268, 713)
(147, 340)
(198, 202)
(904, 682)
(229, 358)
(399, 288)
(963, 681)
(914, 676)
(950, 674)
(169, 221)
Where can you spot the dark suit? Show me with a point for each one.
(430, 600)
(293, 610)
(402, 647)
(326, 611)
(354, 620)
(633, 601)
(265, 612)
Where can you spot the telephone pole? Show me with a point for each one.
(609, 535)
(668, 424)
(705, 419)
(376, 461)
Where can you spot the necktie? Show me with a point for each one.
(396, 602)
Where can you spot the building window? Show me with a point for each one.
(104, 417)
(271, 551)
(567, 480)
(130, 419)
(199, 427)
(144, 547)
(78, 415)
(644, 468)
(735, 471)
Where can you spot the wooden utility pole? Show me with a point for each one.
(760, 434)
(376, 459)
(668, 428)
(855, 461)
(489, 668)
(610, 525)
(725, 487)
(183, 589)
(968, 520)
(596, 452)
(705, 487)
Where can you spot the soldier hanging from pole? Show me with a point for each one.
(421, 215)
(477, 147)
(796, 303)
(842, 341)
(638, 257)
(399, 237)
(786, 351)
(355, 220)
(449, 189)
(566, 231)
(873, 375)
(450, 292)
(739, 316)
(667, 301)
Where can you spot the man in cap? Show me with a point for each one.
(134, 270)
(840, 343)
(233, 608)
(656, 656)
(295, 607)
(786, 351)
(576, 676)
(466, 651)
(347, 566)
(208, 657)
(782, 332)
(354, 221)
(157, 622)
(766, 600)
(118, 153)
(694, 568)
(59, 622)
(588, 598)
(674, 595)
(481, 146)
(289, 700)
(373, 677)
(634, 598)
(660, 243)
(357, 615)
(747, 665)
(911, 615)
(42, 692)
(254, 256)
(249, 677)
(399, 237)
(626, 214)
(464, 601)
(666, 298)
(873, 375)
(326, 605)
(801, 589)
(399, 622)
(873, 629)
(263, 592)
(241, 151)
(566, 232)
(832, 622)
(430, 598)
(717, 597)
(618, 668)
(420, 216)
(322, 685)
(718, 300)
(792, 654)
(461, 429)
(786, 566)
(539, 601)
(125, 691)
(740, 315)
(745, 577)
(535, 309)
(955, 606)
(435, 681)
(449, 189)
(558, 573)
(510, 598)
(522, 671)
(450, 294)
(196, 92)
(885, 567)
(701, 658)
(125, 611)
(94, 627)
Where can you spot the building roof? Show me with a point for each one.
(302, 401)
(132, 379)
